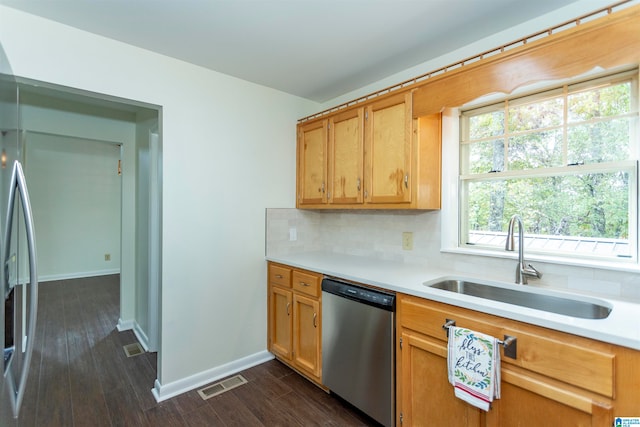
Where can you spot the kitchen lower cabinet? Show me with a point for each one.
(306, 334)
(555, 379)
(280, 321)
(424, 395)
(294, 319)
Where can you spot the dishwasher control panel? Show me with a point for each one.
(374, 297)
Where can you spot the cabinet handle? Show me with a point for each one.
(279, 276)
(288, 305)
(304, 284)
(315, 320)
(358, 184)
(366, 194)
(510, 343)
(322, 187)
(406, 180)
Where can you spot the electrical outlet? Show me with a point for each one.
(293, 234)
(107, 257)
(407, 241)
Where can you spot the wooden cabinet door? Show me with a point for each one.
(306, 334)
(346, 148)
(427, 398)
(535, 403)
(280, 321)
(312, 163)
(388, 150)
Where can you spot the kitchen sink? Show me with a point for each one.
(523, 298)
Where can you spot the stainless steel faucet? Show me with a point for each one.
(522, 269)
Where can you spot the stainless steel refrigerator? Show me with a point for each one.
(18, 273)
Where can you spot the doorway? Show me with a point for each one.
(119, 130)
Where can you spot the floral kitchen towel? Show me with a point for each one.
(474, 366)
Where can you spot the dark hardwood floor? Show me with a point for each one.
(80, 375)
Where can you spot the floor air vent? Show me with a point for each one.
(134, 349)
(221, 386)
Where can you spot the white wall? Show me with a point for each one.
(75, 193)
(228, 153)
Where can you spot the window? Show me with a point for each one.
(565, 160)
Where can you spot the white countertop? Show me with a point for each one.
(621, 327)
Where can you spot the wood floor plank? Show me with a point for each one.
(141, 377)
(165, 415)
(189, 402)
(270, 411)
(83, 372)
(54, 405)
(28, 412)
(299, 408)
(203, 416)
(233, 411)
(123, 407)
(332, 407)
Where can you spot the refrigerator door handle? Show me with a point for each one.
(18, 182)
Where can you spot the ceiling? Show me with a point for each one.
(315, 49)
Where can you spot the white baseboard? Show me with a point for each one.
(125, 325)
(166, 391)
(77, 275)
(141, 336)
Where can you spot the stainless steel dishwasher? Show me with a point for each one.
(358, 347)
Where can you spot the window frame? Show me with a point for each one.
(454, 203)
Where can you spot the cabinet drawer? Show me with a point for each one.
(307, 283)
(568, 358)
(279, 275)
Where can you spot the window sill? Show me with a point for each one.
(622, 266)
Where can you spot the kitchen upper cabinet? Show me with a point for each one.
(330, 160)
(376, 156)
(294, 319)
(312, 163)
(346, 159)
(388, 150)
(555, 377)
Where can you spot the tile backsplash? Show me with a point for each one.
(378, 235)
